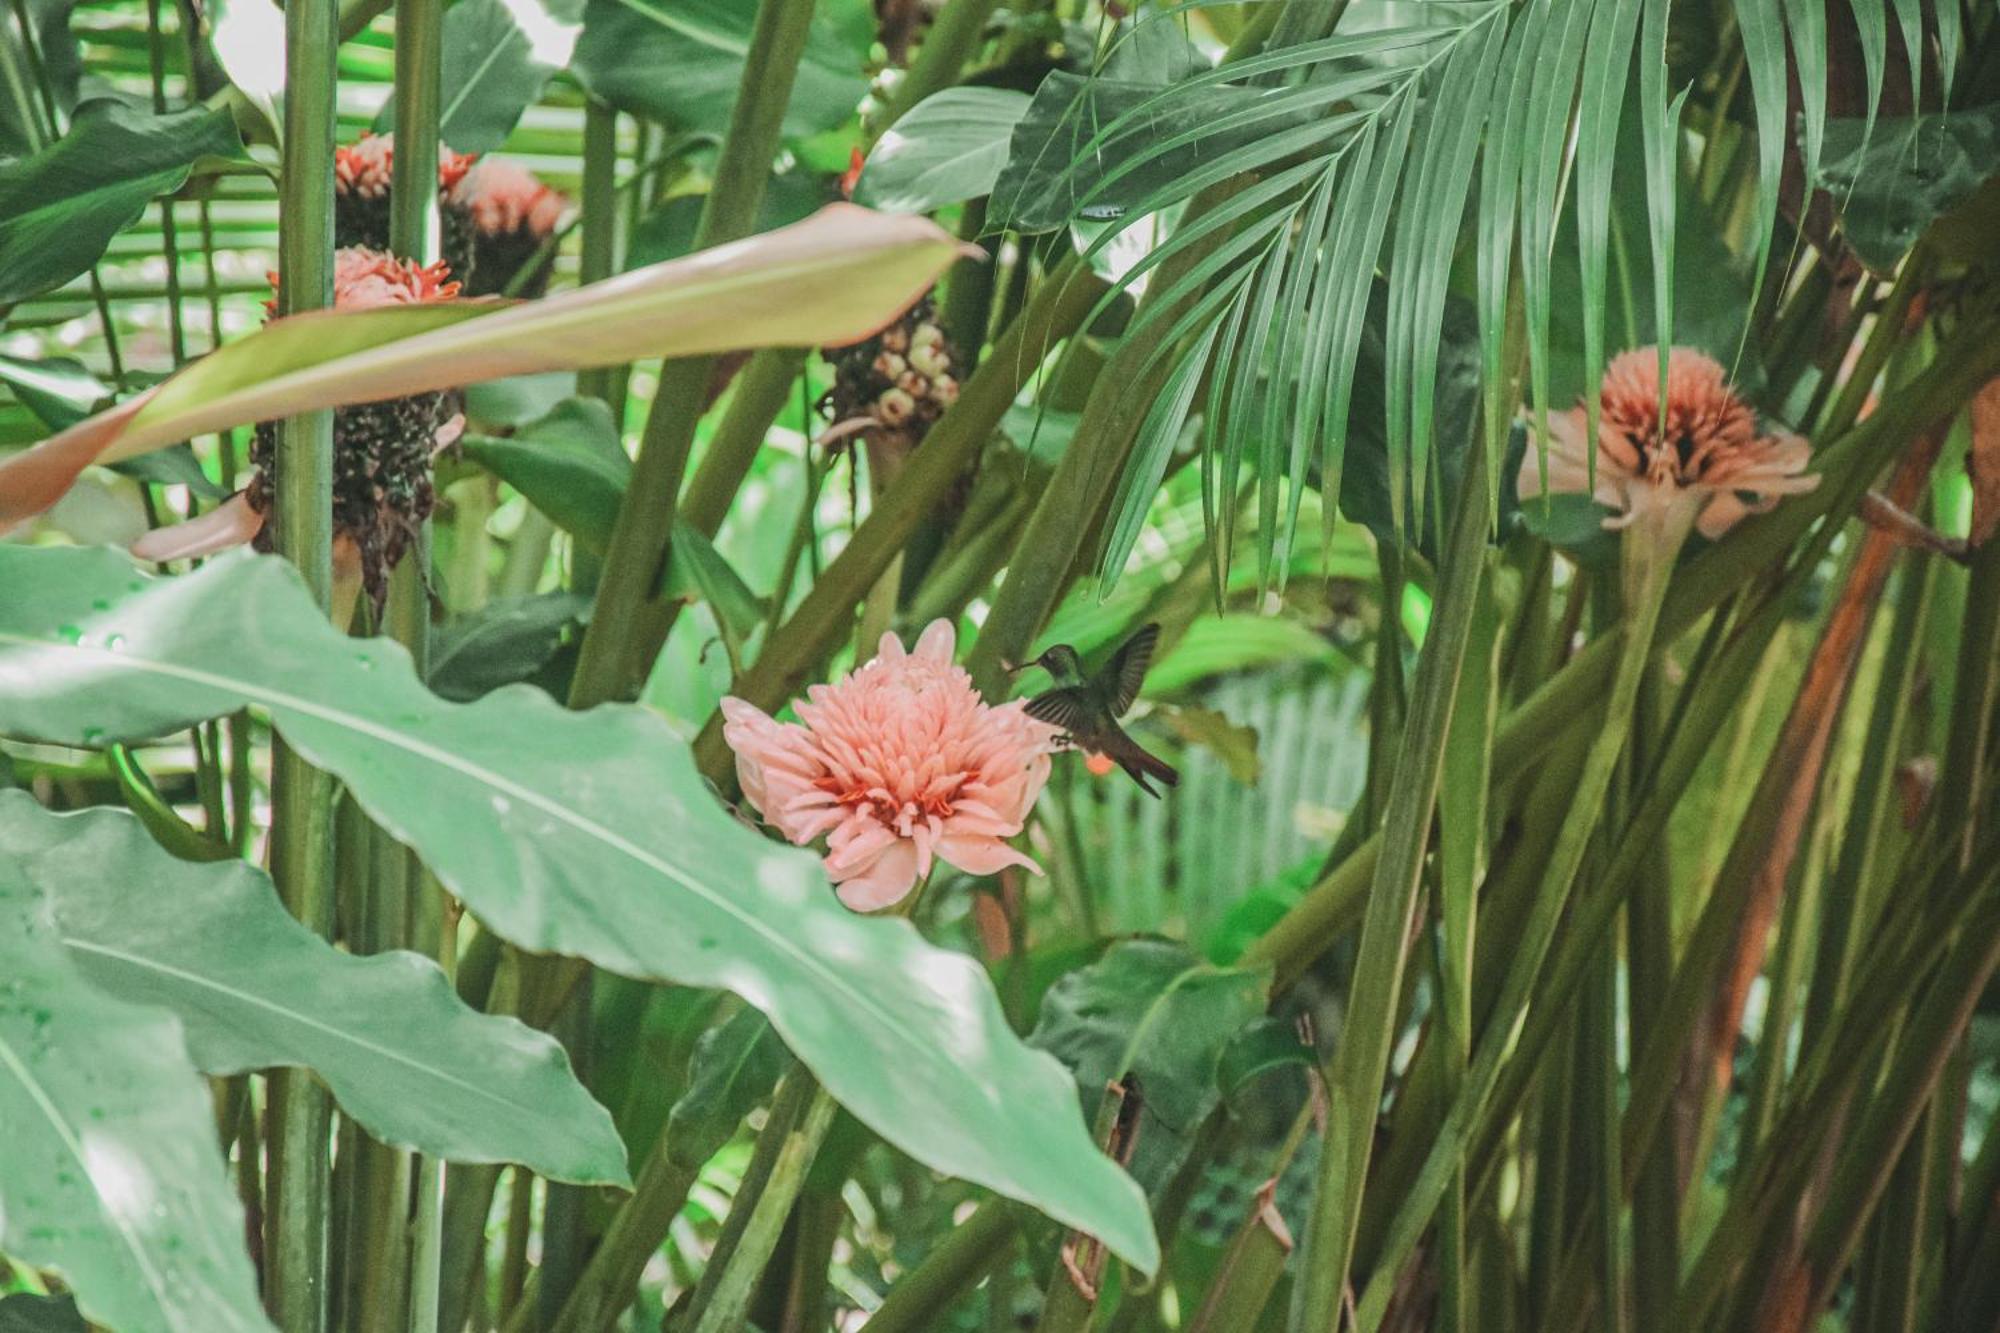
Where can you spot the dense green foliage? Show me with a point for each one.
(1576, 905)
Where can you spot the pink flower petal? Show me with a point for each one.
(231, 523)
(885, 883)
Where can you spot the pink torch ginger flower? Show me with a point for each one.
(366, 167)
(1709, 455)
(900, 764)
(503, 197)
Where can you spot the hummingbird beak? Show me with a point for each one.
(1015, 668)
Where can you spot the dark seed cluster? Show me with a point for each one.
(382, 489)
(900, 381)
(496, 258)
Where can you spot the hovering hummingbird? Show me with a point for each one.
(1087, 707)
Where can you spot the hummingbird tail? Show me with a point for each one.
(1141, 765)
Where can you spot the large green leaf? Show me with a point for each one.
(589, 834)
(1906, 175)
(60, 208)
(254, 989)
(111, 1175)
(509, 639)
(26, 1313)
(681, 61)
(498, 56)
(832, 279)
(59, 390)
(950, 146)
(1155, 1012)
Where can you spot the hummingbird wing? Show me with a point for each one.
(1064, 708)
(1128, 667)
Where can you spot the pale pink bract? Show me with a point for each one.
(1709, 456)
(504, 197)
(899, 764)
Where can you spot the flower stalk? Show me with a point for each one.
(302, 797)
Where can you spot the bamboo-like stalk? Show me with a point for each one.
(921, 1296)
(800, 1116)
(1354, 1085)
(599, 255)
(302, 797)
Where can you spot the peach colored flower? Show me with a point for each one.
(366, 167)
(503, 197)
(364, 278)
(1709, 456)
(900, 764)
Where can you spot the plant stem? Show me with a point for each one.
(302, 797)
(1360, 1065)
(950, 41)
(599, 256)
(626, 628)
(801, 1114)
(920, 1297)
(1648, 563)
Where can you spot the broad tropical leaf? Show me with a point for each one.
(211, 944)
(1154, 1012)
(60, 207)
(950, 146)
(831, 279)
(498, 56)
(735, 1064)
(627, 44)
(111, 1175)
(582, 833)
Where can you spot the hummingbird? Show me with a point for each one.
(1087, 707)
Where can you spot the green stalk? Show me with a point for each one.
(611, 1279)
(626, 627)
(1648, 562)
(801, 1113)
(949, 42)
(302, 798)
(921, 1297)
(761, 388)
(599, 257)
(1360, 1065)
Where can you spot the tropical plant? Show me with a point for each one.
(1519, 473)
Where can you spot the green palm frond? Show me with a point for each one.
(1291, 179)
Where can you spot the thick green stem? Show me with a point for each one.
(599, 248)
(626, 628)
(302, 797)
(921, 1297)
(1361, 1063)
(759, 395)
(801, 1114)
(611, 1279)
